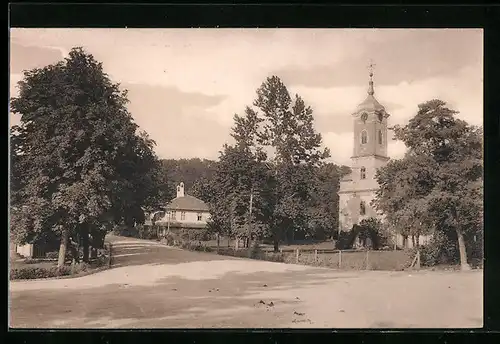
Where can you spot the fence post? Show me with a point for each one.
(367, 260)
(418, 260)
(340, 259)
(315, 256)
(297, 255)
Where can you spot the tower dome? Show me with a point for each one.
(370, 104)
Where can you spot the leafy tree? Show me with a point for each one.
(239, 187)
(373, 229)
(437, 186)
(274, 160)
(194, 173)
(77, 161)
(323, 211)
(203, 189)
(287, 131)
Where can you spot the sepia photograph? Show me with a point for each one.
(245, 178)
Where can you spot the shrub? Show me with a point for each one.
(194, 234)
(78, 268)
(169, 238)
(148, 232)
(30, 261)
(52, 255)
(126, 231)
(253, 253)
(256, 252)
(441, 249)
(38, 272)
(199, 247)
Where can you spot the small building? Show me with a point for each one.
(26, 250)
(184, 212)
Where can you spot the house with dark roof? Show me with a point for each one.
(184, 211)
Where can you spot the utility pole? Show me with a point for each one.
(250, 218)
(168, 221)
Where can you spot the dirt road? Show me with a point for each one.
(153, 286)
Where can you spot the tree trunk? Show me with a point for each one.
(13, 250)
(276, 243)
(74, 252)
(62, 248)
(218, 240)
(463, 253)
(85, 243)
(417, 240)
(412, 241)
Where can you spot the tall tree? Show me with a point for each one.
(438, 184)
(77, 160)
(274, 160)
(323, 222)
(287, 129)
(239, 184)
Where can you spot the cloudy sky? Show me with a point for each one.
(185, 85)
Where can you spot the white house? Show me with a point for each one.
(184, 211)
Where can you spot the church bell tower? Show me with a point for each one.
(358, 188)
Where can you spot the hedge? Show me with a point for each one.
(39, 272)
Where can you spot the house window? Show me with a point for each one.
(380, 137)
(199, 216)
(362, 208)
(363, 173)
(183, 215)
(172, 215)
(364, 137)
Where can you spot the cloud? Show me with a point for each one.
(178, 121)
(186, 84)
(340, 145)
(26, 57)
(411, 56)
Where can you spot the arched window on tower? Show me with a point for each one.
(363, 173)
(362, 208)
(380, 137)
(364, 137)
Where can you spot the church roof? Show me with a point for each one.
(370, 104)
(187, 202)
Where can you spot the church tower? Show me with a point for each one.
(358, 188)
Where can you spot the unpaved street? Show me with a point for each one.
(153, 286)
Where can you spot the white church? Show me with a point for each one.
(358, 188)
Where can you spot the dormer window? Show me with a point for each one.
(364, 137)
(363, 173)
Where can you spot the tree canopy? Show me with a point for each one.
(274, 162)
(77, 157)
(437, 186)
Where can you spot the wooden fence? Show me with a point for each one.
(353, 259)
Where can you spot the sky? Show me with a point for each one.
(185, 85)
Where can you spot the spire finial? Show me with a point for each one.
(371, 67)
